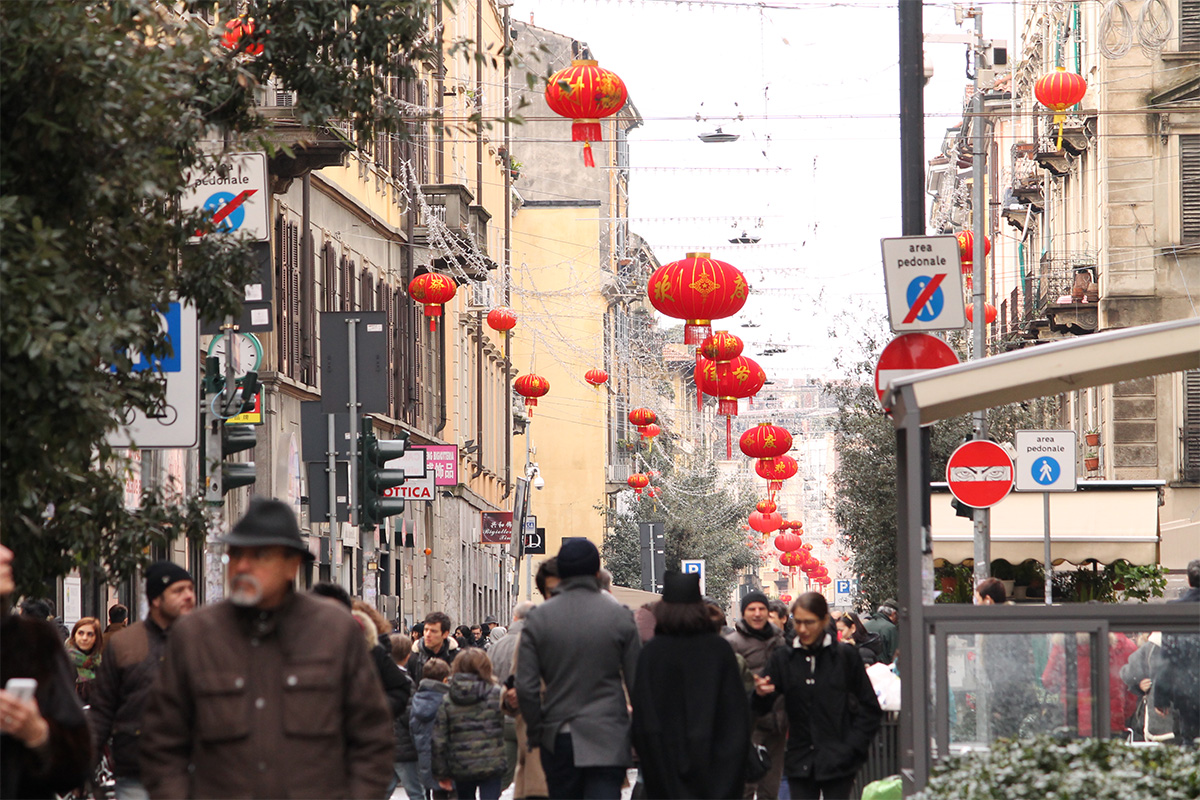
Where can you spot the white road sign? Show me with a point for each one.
(178, 424)
(1045, 461)
(841, 594)
(233, 191)
(923, 276)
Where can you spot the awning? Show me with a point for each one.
(1117, 522)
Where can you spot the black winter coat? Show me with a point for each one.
(118, 700)
(871, 649)
(406, 748)
(691, 718)
(833, 714)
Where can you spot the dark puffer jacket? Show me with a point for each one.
(468, 733)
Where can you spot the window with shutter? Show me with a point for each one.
(282, 286)
(348, 272)
(383, 302)
(331, 271)
(308, 310)
(1189, 183)
(1189, 435)
(1189, 25)
(366, 291)
(294, 322)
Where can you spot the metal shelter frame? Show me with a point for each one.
(924, 398)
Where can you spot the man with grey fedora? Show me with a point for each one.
(584, 649)
(269, 693)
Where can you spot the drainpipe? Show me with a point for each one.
(506, 269)
(440, 158)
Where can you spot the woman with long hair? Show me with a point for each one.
(468, 732)
(691, 717)
(851, 629)
(84, 648)
(833, 714)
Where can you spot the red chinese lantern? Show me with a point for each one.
(787, 598)
(698, 289)
(827, 541)
(766, 506)
(1058, 91)
(585, 93)
(641, 417)
(765, 523)
(637, 481)
(501, 319)
(807, 545)
(793, 558)
(787, 542)
(596, 377)
(776, 471)
(743, 378)
(531, 387)
(765, 440)
(433, 291)
(649, 431)
(966, 250)
(235, 29)
(989, 313)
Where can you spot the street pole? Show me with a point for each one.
(982, 538)
(331, 471)
(912, 119)
(1048, 570)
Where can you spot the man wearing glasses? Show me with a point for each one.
(271, 692)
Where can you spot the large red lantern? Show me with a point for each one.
(433, 291)
(793, 558)
(765, 523)
(638, 481)
(641, 417)
(776, 471)
(586, 93)
(766, 506)
(649, 431)
(531, 387)
(596, 377)
(1058, 91)
(698, 289)
(966, 250)
(787, 542)
(989, 313)
(765, 440)
(743, 378)
(501, 319)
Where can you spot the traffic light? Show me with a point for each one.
(222, 440)
(374, 480)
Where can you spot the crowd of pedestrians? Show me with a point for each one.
(277, 692)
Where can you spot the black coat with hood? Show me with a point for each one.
(468, 731)
(833, 714)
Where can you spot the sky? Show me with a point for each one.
(815, 172)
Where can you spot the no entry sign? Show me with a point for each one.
(980, 474)
(912, 352)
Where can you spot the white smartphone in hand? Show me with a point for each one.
(22, 688)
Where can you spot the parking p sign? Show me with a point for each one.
(841, 592)
(694, 566)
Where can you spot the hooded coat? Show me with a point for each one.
(468, 731)
(425, 704)
(833, 714)
(691, 718)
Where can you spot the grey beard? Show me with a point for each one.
(245, 591)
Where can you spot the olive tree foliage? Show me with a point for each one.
(702, 515)
(107, 106)
(864, 479)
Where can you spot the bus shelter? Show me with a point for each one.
(971, 674)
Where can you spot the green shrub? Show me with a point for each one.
(1053, 769)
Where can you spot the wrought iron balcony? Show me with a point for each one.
(455, 229)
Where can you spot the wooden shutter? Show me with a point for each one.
(1189, 181)
(330, 277)
(1189, 25)
(295, 321)
(1190, 435)
(347, 281)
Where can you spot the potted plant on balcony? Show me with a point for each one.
(1091, 461)
(1092, 437)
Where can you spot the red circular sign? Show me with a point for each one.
(909, 353)
(980, 473)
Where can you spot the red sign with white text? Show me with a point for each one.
(980, 473)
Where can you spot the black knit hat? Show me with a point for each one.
(162, 574)
(681, 587)
(754, 597)
(578, 557)
(268, 523)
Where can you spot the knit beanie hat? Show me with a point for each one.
(578, 557)
(754, 597)
(162, 574)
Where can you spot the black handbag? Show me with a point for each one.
(758, 763)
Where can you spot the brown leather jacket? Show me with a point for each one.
(262, 704)
(119, 694)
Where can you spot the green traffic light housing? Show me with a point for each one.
(374, 506)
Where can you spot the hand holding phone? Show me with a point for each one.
(19, 715)
(21, 688)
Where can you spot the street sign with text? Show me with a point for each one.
(924, 283)
(1045, 461)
